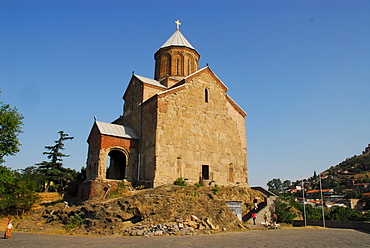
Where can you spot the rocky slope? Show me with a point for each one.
(163, 210)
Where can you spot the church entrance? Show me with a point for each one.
(205, 172)
(116, 165)
(204, 179)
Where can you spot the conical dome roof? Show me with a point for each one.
(175, 59)
(177, 39)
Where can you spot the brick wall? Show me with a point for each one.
(95, 190)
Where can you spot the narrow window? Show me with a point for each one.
(177, 66)
(231, 172)
(206, 95)
(166, 71)
(189, 67)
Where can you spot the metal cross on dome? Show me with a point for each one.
(178, 23)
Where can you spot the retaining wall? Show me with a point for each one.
(335, 224)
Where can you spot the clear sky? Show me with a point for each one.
(300, 69)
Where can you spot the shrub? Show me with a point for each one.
(180, 182)
(74, 221)
(215, 189)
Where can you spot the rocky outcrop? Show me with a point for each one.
(159, 211)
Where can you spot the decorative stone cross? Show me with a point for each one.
(178, 23)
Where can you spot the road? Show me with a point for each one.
(295, 237)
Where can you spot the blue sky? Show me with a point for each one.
(300, 69)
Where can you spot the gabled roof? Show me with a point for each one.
(212, 74)
(145, 80)
(177, 39)
(236, 106)
(116, 130)
(181, 84)
(150, 81)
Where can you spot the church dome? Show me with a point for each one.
(177, 39)
(175, 59)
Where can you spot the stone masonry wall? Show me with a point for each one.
(93, 154)
(192, 132)
(149, 91)
(132, 108)
(148, 139)
(239, 119)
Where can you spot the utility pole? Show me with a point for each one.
(322, 202)
(304, 204)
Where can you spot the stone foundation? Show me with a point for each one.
(97, 190)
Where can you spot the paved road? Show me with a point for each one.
(299, 237)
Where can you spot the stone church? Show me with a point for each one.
(181, 124)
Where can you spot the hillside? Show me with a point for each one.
(350, 178)
(167, 209)
(356, 169)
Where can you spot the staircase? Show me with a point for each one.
(266, 205)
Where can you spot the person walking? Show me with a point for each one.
(255, 202)
(8, 230)
(265, 217)
(254, 217)
(274, 219)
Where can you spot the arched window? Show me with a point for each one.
(189, 64)
(164, 69)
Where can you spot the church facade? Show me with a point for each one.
(181, 124)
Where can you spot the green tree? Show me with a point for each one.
(345, 214)
(313, 213)
(6, 178)
(53, 170)
(339, 189)
(35, 179)
(328, 183)
(314, 177)
(287, 209)
(78, 178)
(352, 194)
(10, 127)
(286, 184)
(275, 185)
(15, 192)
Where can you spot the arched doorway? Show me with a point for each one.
(116, 165)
